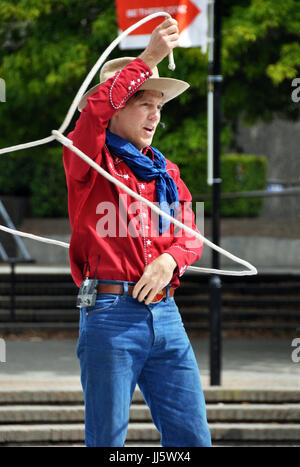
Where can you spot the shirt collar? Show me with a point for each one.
(148, 152)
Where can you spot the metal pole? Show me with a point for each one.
(210, 95)
(12, 291)
(214, 81)
(16, 238)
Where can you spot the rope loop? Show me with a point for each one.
(58, 135)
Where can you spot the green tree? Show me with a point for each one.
(47, 48)
(261, 56)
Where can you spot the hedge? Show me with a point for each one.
(16, 170)
(239, 172)
(49, 196)
(41, 176)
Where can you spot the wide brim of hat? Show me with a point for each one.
(169, 87)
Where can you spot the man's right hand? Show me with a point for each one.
(163, 40)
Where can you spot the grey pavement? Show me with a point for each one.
(246, 362)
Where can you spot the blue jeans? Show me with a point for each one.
(123, 342)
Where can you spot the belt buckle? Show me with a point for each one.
(159, 295)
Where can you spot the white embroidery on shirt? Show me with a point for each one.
(110, 91)
(126, 176)
(183, 249)
(143, 227)
(117, 160)
(116, 107)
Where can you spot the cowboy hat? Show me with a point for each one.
(169, 87)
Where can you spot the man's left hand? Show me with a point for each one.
(155, 277)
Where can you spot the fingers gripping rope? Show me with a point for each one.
(58, 135)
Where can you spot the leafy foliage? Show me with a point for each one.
(48, 186)
(260, 58)
(48, 47)
(240, 172)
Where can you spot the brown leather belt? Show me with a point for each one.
(118, 290)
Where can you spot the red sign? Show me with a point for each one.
(190, 15)
(130, 12)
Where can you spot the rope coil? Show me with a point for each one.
(58, 135)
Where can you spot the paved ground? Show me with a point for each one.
(263, 362)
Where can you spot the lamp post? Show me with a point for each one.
(214, 130)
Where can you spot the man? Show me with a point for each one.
(133, 333)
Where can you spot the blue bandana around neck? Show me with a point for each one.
(143, 167)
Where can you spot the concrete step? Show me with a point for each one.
(55, 416)
(255, 432)
(234, 413)
(213, 395)
(30, 414)
(259, 413)
(252, 395)
(68, 432)
(19, 395)
(41, 433)
(147, 432)
(41, 414)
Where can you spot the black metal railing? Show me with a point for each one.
(12, 261)
(251, 194)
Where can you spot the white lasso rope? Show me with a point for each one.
(58, 135)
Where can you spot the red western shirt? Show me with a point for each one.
(115, 236)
